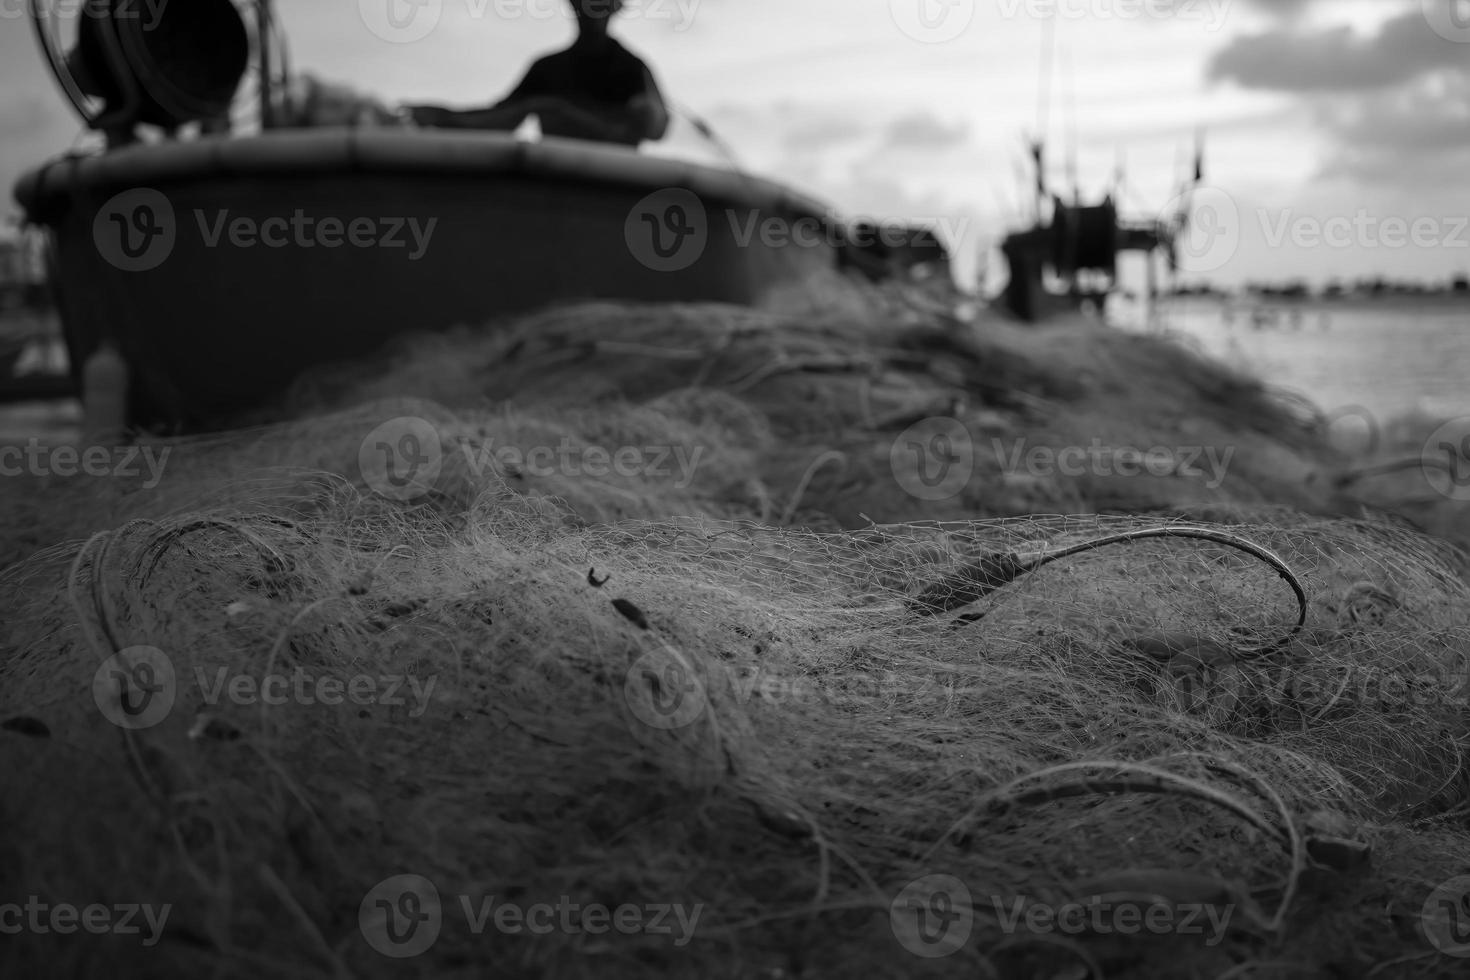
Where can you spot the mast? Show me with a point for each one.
(1045, 73)
(264, 21)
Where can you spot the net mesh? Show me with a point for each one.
(738, 694)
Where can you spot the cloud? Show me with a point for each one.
(924, 131)
(1337, 59)
(1415, 136)
(1285, 9)
(1431, 176)
(803, 129)
(1433, 114)
(820, 131)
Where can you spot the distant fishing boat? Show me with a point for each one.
(221, 267)
(1068, 256)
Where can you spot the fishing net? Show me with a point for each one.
(776, 701)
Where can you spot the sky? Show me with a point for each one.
(1336, 132)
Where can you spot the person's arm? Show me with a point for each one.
(506, 114)
(564, 117)
(497, 117)
(649, 109)
(525, 91)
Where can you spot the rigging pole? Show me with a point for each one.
(264, 25)
(1043, 107)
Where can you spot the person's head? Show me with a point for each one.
(593, 16)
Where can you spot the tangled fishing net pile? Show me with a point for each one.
(785, 693)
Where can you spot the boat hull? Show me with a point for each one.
(293, 250)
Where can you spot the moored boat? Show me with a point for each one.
(221, 267)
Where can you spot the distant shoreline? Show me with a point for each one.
(1391, 301)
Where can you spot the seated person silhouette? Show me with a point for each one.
(594, 90)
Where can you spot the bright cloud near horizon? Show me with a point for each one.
(1337, 131)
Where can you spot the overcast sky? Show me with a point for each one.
(1338, 131)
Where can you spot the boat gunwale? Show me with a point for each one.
(382, 151)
